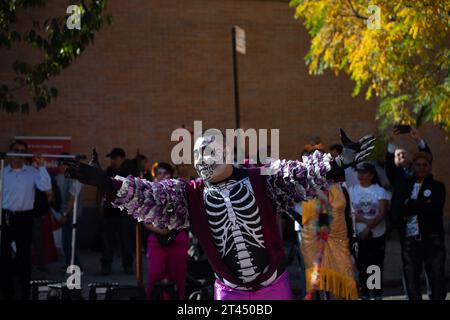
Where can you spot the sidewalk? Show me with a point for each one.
(392, 268)
(90, 261)
(91, 273)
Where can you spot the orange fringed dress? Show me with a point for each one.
(337, 273)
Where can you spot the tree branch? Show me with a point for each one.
(357, 14)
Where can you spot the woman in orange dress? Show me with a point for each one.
(335, 272)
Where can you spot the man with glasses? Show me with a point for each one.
(19, 183)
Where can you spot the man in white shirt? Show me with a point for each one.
(19, 183)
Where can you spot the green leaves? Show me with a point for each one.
(60, 47)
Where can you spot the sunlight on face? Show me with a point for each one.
(401, 157)
(209, 157)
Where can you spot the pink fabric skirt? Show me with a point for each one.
(280, 289)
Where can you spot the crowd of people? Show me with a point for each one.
(341, 232)
(37, 202)
(402, 196)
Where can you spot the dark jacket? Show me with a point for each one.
(41, 205)
(429, 206)
(399, 178)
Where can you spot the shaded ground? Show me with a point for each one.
(91, 273)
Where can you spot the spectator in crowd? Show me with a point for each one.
(424, 241)
(19, 185)
(336, 149)
(48, 225)
(143, 166)
(116, 223)
(327, 213)
(350, 179)
(369, 203)
(41, 208)
(68, 189)
(399, 172)
(166, 249)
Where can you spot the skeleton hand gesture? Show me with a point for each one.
(354, 152)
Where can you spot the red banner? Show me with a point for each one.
(47, 145)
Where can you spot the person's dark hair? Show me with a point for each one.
(369, 167)
(338, 147)
(18, 142)
(423, 155)
(165, 166)
(376, 179)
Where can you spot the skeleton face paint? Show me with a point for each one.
(208, 157)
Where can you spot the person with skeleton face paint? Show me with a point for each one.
(232, 211)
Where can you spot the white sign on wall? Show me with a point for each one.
(240, 40)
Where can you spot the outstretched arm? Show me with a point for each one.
(161, 204)
(421, 144)
(293, 181)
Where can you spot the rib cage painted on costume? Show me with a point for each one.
(235, 223)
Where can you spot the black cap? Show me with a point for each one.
(116, 152)
(365, 166)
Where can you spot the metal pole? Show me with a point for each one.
(2, 167)
(138, 255)
(236, 80)
(30, 155)
(74, 229)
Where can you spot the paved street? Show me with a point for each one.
(91, 273)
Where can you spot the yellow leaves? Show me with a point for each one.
(405, 58)
(442, 116)
(414, 30)
(400, 114)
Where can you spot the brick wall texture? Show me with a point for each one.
(166, 63)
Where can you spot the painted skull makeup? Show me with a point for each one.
(209, 156)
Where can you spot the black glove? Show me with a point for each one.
(354, 152)
(90, 175)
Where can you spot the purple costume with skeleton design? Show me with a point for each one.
(234, 220)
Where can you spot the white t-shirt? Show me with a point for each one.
(365, 201)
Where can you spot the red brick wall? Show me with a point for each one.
(165, 63)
